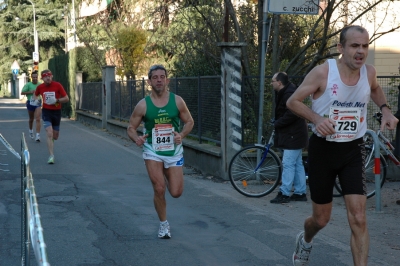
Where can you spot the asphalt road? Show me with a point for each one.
(96, 209)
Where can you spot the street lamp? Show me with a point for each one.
(35, 55)
(35, 35)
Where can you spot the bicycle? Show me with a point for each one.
(386, 147)
(255, 171)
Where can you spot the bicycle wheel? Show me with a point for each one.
(249, 182)
(369, 174)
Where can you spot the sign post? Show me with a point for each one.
(308, 7)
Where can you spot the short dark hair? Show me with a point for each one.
(156, 67)
(343, 33)
(283, 78)
(34, 72)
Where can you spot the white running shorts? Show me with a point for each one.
(168, 161)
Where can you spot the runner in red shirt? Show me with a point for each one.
(53, 94)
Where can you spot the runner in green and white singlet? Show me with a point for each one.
(160, 123)
(161, 113)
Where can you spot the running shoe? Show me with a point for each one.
(164, 231)
(51, 159)
(31, 135)
(37, 138)
(301, 254)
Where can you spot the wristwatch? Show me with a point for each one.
(385, 105)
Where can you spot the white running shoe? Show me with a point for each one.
(164, 231)
(37, 138)
(301, 255)
(31, 135)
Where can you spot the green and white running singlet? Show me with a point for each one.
(159, 124)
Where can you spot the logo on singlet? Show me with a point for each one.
(334, 90)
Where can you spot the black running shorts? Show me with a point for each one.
(51, 118)
(327, 159)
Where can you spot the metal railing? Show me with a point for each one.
(31, 224)
(89, 97)
(203, 98)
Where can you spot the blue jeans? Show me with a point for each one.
(293, 173)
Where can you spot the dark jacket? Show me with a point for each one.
(290, 130)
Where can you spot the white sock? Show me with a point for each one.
(164, 223)
(30, 131)
(37, 134)
(305, 243)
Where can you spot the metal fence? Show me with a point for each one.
(203, 98)
(31, 226)
(89, 97)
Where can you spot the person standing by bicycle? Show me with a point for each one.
(291, 135)
(340, 91)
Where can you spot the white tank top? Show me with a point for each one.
(340, 96)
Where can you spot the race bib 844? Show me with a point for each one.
(163, 137)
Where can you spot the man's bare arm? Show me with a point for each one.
(134, 123)
(64, 99)
(312, 84)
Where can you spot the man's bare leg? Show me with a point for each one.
(50, 144)
(356, 215)
(31, 116)
(174, 176)
(318, 220)
(37, 114)
(156, 175)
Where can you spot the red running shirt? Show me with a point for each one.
(54, 89)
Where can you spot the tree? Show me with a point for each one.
(101, 34)
(314, 38)
(302, 41)
(16, 33)
(184, 34)
(130, 43)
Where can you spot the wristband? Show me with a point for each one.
(385, 105)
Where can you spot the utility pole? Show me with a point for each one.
(35, 55)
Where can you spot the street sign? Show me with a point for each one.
(35, 56)
(307, 7)
(15, 67)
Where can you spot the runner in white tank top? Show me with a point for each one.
(346, 105)
(340, 91)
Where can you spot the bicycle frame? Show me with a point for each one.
(387, 147)
(267, 146)
(384, 142)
